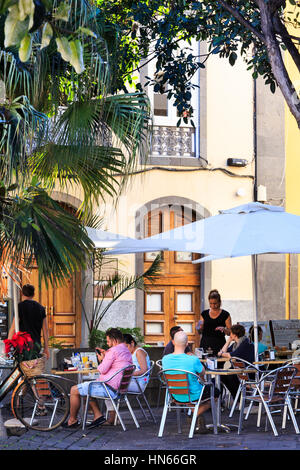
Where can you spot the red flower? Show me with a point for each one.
(18, 343)
(9, 345)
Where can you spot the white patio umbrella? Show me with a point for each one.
(105, 239)
(244, 230)
(101, 239)
(250, 229)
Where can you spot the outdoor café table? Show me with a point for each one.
(217, 374)
(79, 373)
(277, 362)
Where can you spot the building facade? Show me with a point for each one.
(188, 176)
(185, 178)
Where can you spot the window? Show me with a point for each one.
(164, 111)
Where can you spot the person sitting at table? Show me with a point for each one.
(141, 360)
(261, 346)
(237, 345)
(180, 360)
(214, 324)
(112, 360)
(169, 349)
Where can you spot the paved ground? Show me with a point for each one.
(109, 440)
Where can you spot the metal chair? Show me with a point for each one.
(177, 383)
(276, 395)
(161, 384)
(294, 392)
(121, 394)
(141, 392)
(238, 363)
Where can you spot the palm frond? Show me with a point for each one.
(68, 166)
(127, 115)
(21, 127)
(15, 75)
(116, 285)
(37, 230)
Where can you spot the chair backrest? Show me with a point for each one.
(177, 382)
(160, 377)
(238, 363)
(147, 373)
(296, 379)
(282, 381)
(150, 370)
(125, 379)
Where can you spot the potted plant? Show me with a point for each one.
(113, 286)
(54, 346)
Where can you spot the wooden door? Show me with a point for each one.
(175, 297)
(62, 306)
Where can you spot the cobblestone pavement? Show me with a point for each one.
(115, 439)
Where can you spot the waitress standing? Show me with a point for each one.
(214, 324)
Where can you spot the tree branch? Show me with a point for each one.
(237, 15)
(286, 38)
(276, 61)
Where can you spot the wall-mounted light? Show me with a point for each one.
(236, 162)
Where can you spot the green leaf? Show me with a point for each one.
(26, 8)
(25, 48)
(46, 35)
(76, 58)
(64, 48)
(62, 12)
(87, 31)
(273, 87)
(232, 58)
(14, 29)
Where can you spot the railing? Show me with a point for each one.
(171, 141)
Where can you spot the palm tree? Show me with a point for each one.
(61, 128)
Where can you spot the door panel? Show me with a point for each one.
(63, 313)
(62, 306)
(157, 312)
(179, 282)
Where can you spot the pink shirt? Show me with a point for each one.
(115, 359)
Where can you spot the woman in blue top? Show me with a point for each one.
(261, 346)
(141, 360)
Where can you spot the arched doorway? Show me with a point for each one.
(175, 298)
(62, 303)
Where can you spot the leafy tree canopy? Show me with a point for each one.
(60, 126)
(258, 30)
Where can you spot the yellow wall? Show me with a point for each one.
(229, 124)
(229, 134)
(292, 146)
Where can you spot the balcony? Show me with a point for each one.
(172, 141)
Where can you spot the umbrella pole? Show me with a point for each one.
(255, 307)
